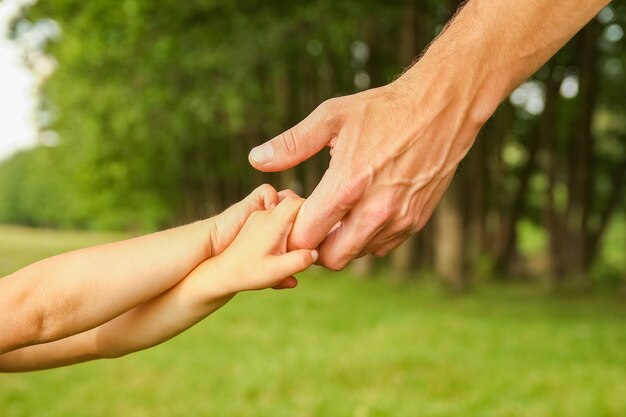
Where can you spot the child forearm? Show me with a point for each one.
(147, 325)
(76, 291)
(256, 259)
(242, 257)
(166, 316)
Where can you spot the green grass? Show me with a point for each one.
(337, 346)
(20, 246)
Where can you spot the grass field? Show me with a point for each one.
(337, 346)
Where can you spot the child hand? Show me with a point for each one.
(258, 258)
(227, 224)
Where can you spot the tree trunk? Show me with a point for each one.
(362, 267)
(538, 136)
(618, 181)
(497, 129)
(474, 193)
(581, 157)
(448, 242)
(402, 260)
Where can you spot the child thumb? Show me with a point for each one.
(295, 261)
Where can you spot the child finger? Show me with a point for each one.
(285, 212)
(261, 198)
(285, 283)
(229, 223)
(295, 261)
(282, 217)
(266, 196)
(282, 194)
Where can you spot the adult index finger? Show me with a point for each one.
(326, 206)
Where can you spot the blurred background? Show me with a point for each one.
(146, 110)
(124, 117)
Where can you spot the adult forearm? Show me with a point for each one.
(73, 292)
(491, 46)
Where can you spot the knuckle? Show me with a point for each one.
(422, 218)
(387, 248)
(379, 253)
(290, 204)
(289, 140)
(265, 188)
(335, 264)
(350, 191)
(292, 200)
(325, 109)
(383, 248)
(383, 211)
(419, 223)
(405, 224)
(301, 241)
(327, 112)
(336, 261)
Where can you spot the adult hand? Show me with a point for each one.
(395, 148)
(390, 165)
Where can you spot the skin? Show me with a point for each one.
(395, 148)
(83, 305)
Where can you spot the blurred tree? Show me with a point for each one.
(156, 106)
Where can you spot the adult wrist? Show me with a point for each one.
(471, 64)
(459, 80)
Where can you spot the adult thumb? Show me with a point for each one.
(294, 145)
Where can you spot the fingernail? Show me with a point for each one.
(262, 154)
(272, 206)
(314, 255)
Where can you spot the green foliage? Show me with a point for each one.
(32, 191)
(156, 106)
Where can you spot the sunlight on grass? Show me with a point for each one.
(337, 346)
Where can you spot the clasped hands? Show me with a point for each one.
(390, 164)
